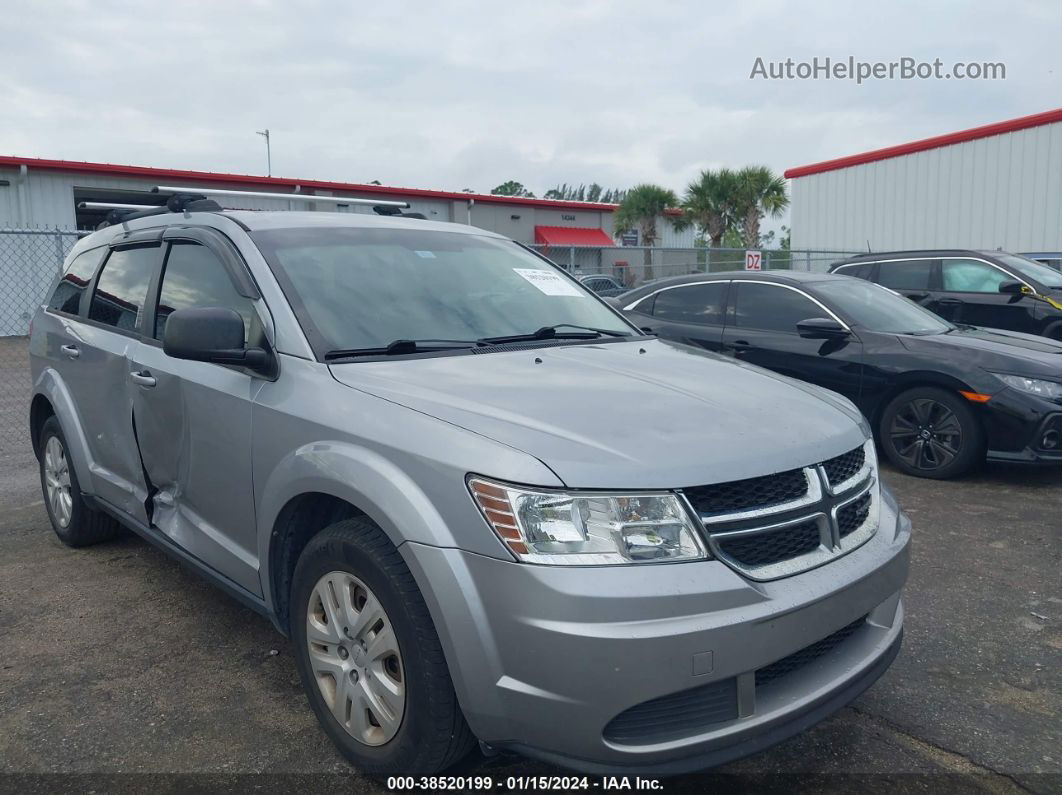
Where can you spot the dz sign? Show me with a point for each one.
(753, 261)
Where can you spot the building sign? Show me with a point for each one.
(567, 217)
(630, 238)
(753, 261)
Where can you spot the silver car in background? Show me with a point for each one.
(482, 505)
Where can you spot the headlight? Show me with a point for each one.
(1035, 386)
(588, 529)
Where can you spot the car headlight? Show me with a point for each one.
(591, 529)
(1035, 386)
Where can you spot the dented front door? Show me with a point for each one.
(193, 427)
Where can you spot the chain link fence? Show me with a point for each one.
(633, 265)
(29, 262)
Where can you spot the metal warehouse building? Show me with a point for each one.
(996, 186)
(38, 194)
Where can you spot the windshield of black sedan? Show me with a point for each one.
(876, 308)
(357, 288)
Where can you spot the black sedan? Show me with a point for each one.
(941, 397)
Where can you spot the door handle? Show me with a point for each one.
(917, 296)
(71, 351)
(741, 346)
(949, 301)
(143, 378)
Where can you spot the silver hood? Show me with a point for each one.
(633, 414)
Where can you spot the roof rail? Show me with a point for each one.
(307, 197)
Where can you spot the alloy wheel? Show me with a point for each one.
(926, 434)
(57, 482)
(355, 658)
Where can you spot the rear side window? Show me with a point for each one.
(772, 308)
(122, 287)
(67, 295)
(860, 271)
(913, 274)
(702, 304)
(194, 277)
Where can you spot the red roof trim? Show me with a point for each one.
(572, 236)
(985, 131)
(285, 182)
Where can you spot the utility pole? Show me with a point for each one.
(269, 155)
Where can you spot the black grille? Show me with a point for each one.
(851, 517)
(744, 495)
(674, 716)
(786, 665)
(760, 549)
(842, 467)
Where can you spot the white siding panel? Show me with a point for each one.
(1003, 191)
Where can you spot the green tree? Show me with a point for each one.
(512, 188)
(711, 204)
(760, 192)
(639, 210)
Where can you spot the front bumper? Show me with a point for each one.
(544, 658)
(1016, 424)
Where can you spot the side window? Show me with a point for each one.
(972, 276)
(861, 271)
(122, 287)
(194, 277)
(645, 306)
(772, 308)
(67, 295)
(698, 303)
(914, 274)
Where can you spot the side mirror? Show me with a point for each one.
(210, 334)
(821, 328)
(1012, 287)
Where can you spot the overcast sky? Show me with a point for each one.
(456, 94)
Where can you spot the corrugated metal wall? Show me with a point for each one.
(45, 200)
(1004, 191)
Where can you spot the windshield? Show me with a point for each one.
(1037, 271)
(877, 308)
(357, 288)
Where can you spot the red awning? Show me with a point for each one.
(572, 236)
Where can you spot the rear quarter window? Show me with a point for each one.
(78, 276)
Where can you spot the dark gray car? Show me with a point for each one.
(481, 504)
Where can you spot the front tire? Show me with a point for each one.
(369, 657)
(73, 521)
(930, 432)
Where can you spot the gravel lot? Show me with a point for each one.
(118, 667)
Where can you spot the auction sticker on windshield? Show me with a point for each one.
(548, 282)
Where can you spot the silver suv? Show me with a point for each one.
(480, 503)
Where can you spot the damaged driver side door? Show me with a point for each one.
(193, 421)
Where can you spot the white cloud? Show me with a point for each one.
(466, 94)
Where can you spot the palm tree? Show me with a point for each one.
(711, 203)
(639, 209)
(759, 192)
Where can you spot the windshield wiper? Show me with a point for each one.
(400, 348)
(551, 333)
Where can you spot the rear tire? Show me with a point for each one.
(930, 432)
(422, 730)
(73, 521)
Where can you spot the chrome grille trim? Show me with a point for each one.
(821, 504)
(811, 497)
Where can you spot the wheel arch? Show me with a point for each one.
(51, 398)
(322, 483)
(913, 380)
